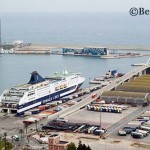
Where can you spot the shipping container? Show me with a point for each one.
(89, 129)
(97, 132)
(28, 113)
(93, 130)
(80, 128)
(35, 111)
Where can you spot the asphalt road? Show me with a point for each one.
(88, 99)
(112, 130)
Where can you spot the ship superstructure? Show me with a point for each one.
(39, 91)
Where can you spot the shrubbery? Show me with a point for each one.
(81, 146)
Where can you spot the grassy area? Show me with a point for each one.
(1, 144)
(9, 146)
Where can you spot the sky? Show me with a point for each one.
(71, 5)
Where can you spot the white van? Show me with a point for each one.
(16, 137)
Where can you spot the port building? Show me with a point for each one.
(91, 51)
(71, 51)
(7, 49)
(136, 90)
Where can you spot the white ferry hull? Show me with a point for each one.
(46, 99)
(39, 91)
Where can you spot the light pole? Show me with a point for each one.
(100, 120)
(36, 125)
(25, 128)
(5, 134)
(12, 138)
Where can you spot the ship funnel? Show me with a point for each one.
(35, 78)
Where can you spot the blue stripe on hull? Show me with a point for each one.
(47, 99)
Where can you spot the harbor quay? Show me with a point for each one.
(19, 47)
(112, 47)
(87, 107)
(94, 50)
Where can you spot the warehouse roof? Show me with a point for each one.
(125, 94)
(133, 88)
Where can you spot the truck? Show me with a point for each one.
(145, 133)
(145, 128)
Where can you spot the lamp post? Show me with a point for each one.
(25, 128)
(5, 134)
(12, 139)
(100, 120)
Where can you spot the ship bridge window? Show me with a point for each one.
(73, 77)
(23, 89)
(31, 94)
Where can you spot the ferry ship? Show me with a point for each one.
(39, 91)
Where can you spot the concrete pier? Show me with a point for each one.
(46, 48)
(33, 49)
(113, 47)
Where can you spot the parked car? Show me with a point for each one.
(137, 135)
(129, 128)
(122, 133)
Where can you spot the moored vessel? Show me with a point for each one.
(39, 91)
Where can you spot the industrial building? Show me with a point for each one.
(136, 91)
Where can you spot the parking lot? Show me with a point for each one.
(93, 117)
(139, 124)
(10, 122)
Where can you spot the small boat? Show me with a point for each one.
(142, 64)
(138, 64)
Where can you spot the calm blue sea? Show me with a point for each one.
(76, 28)
(66, 28)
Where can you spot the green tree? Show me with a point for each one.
(79, 146)
(5, 134)
(71, 146)
(83, 146)
(88, 148)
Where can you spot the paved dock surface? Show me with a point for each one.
(111, 47)
(88, 99)
(118, 125)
